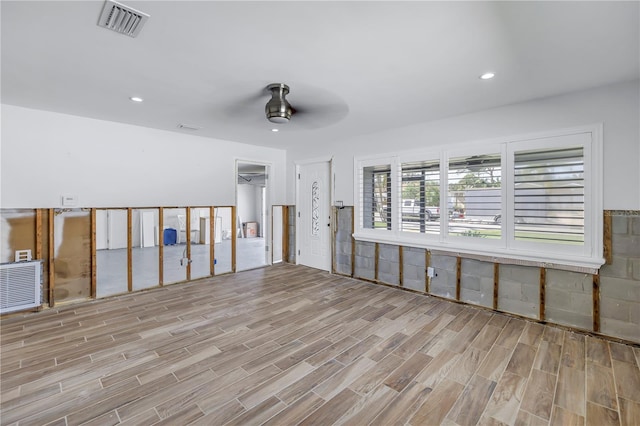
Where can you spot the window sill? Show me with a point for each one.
(491, 253)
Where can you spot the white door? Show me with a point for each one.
(314, 216)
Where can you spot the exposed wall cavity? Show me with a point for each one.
(72, 265)
(444, 282)
(569, 298)
(365, 266)
(388, 264)
(519, 290)
(343, 240)
(620, 281)
(413, 268)
(476, 282)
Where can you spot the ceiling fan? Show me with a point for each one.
(310, 108)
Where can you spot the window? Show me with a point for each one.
(376, 197)
(474, 197)
(549, 195)
(533, 199)
(420, 189)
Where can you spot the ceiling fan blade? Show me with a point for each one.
(317, 116)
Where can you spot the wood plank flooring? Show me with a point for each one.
(290, 345)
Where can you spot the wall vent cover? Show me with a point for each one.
(122, 19)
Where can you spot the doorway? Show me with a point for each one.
(313, 229)
(252, 189)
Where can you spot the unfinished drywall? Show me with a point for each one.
(620, 281)
(519, 290)
(476, 282)
(343, 240)
(388, 264)
(443, 282)
(365, 264)
(569, 298)
(413, 268)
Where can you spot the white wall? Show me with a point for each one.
(247, 203)
(106, 164)
(617, 106)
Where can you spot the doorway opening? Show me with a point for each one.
(252, 189)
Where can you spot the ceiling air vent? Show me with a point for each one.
(122, 19)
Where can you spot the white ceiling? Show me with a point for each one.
(363, 66)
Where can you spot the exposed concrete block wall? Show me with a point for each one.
(620, 281)
(569, 298)
(476, 282)
(519, 290)
(389, 264)
(413, 268)
(365, 266)
(444, 282)
(343, 242)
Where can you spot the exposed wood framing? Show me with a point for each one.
(400, 267)
(52, 259)
(161, 246)
(94, 260)
(285, 234)
(596, 303)
(212, 241)
(334, 223)
(427, 263)
(458, 276)
(188, 235)
(496, 284)
(543, 285)
(38, 234)
(234, 236)
(607, 239)
(376, 257)
(129, 249)
(353, 242)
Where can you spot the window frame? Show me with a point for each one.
(586, 257)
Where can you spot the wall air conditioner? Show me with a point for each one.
(20, 286)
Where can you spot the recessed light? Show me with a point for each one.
(275, 130)
(136, 99)
(487, 76)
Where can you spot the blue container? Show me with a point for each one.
(170, 236)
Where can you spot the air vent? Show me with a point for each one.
(122, 19)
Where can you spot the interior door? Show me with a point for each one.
(314, 216)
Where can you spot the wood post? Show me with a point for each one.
(52, 259)
(188, 235)
(94, 260)
(400, 267)
(129, 250)
(458, 276)
(161, 246)
(543, 283)
(596, 302)
(212, 241)
(496, 284)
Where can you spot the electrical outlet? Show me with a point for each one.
(431, 272)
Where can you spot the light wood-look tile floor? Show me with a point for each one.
(290, 345)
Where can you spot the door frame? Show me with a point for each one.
(266, 227)
(298, 165)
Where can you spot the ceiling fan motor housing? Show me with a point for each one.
(278, 109)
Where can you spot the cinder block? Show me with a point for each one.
(571, 319)
(619, 268)
(413, 256)
(620, 329)
(470, 282)
(531, 293)
(518, 307)
(626, 245)
(477, 268)
(557, 298)
(635, 225)
(621, 289)
(635, 269)
(389, 252)
(523, 274)
(447, 263)
(620, 224)
(614, 309)
(582, 303)
(573, 281)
